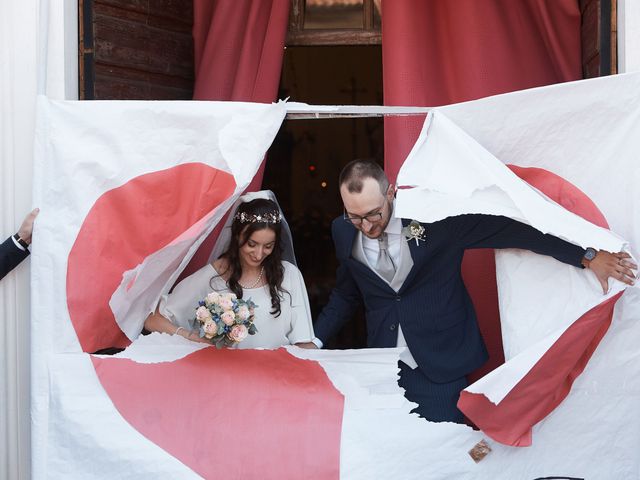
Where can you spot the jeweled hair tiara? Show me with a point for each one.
(269, 217)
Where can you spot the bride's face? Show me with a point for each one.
(258, 247)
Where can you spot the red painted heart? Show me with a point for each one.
(550, 380)
(124, 226)
(225, 414)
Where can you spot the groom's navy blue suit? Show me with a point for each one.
(10, 256)
(432, 306)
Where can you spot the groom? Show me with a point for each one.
(413, 291)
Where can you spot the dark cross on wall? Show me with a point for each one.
(354, 90)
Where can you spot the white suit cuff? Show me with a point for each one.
(17, 244)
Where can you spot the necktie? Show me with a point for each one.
(384, 265)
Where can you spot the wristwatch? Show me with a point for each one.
(21, 241)
(589, 254)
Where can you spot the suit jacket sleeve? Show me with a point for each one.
(491, 231)
(10, 256)
(344, 300)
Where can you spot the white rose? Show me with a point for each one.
(212, 298)
(243, 313)
(203, 314)
(210, 329)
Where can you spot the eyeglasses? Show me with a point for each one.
(370, 217)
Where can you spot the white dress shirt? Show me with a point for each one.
(371, 248)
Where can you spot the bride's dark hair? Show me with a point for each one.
(250, 217)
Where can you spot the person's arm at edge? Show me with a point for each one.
(14, 250)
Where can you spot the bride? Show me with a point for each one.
(254, 259)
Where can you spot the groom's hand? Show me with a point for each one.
(616, 265)
(308, 345)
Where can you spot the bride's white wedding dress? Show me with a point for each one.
(293, 325)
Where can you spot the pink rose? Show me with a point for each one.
(226, 303)
(203, 314)
(210, 329)
(238, 333)
(243, 313)
(228, 317)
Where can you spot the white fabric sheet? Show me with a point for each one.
(453, 174)
(84, 149)
(586, 132)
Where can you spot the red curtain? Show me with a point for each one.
(437, 52)
(238, 47)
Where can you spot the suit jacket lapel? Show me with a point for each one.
(418, 254)
(348, 239)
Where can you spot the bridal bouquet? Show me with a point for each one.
(224, 319)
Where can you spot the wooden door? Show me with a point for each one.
(143, 49)
(136, 49)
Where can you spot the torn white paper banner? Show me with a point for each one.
(237, 147)
(118, 182)
(77, 431)
(454, 174)
(587, 133)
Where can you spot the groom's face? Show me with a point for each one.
(370, 208)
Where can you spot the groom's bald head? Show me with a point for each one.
(356, 172)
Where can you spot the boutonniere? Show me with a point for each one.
(414, 231)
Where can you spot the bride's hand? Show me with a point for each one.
(191, 335)
(159, 323)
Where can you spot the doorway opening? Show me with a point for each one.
(306, 157)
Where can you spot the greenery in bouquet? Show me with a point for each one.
(224, 319)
